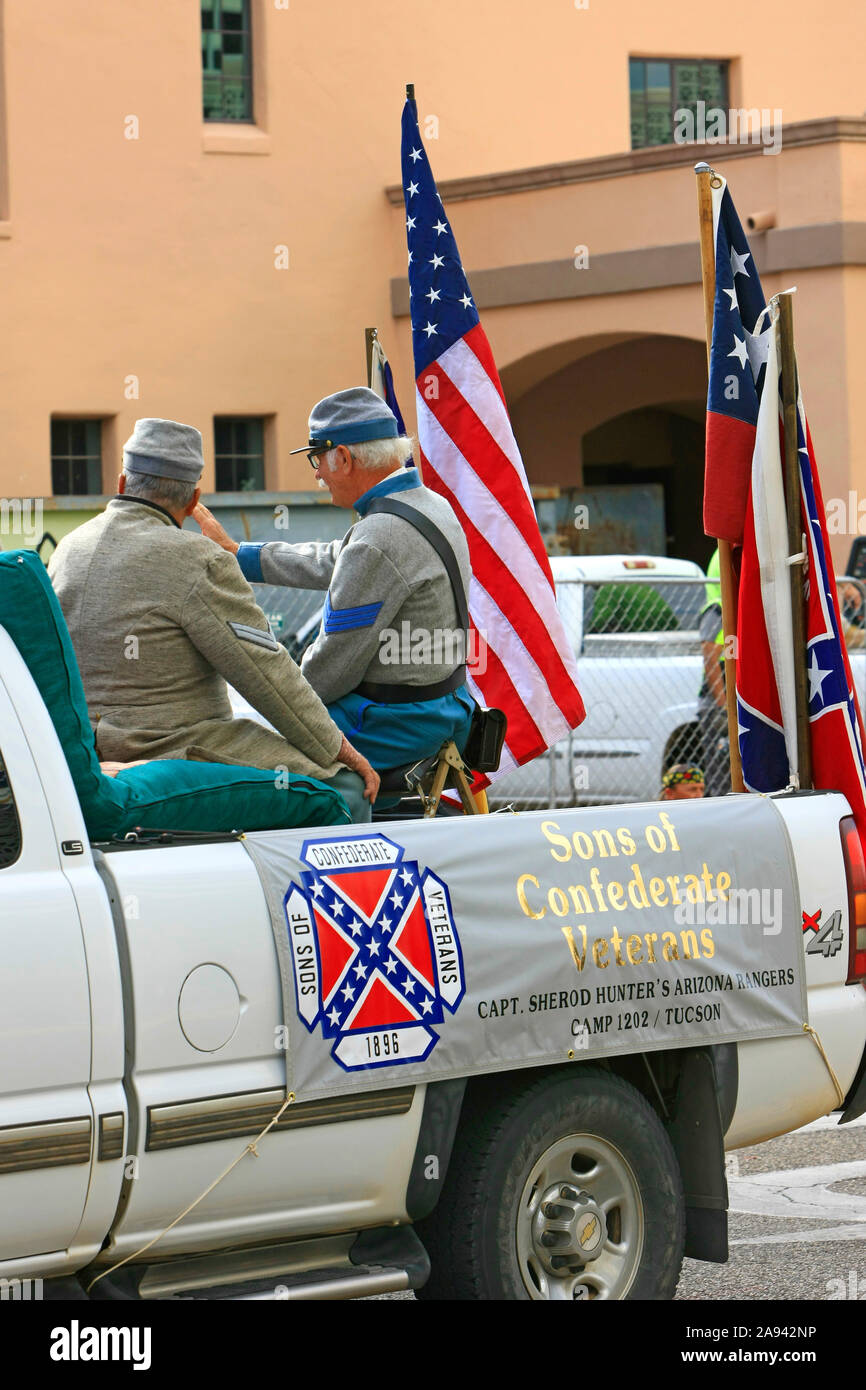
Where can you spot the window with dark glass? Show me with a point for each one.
(10, 827)
(226, 60)
(239, 447)
(661, 88)
(76, 457)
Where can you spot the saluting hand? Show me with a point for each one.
(213, 529)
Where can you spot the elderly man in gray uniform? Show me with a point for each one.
(390, 658)
(161, 618)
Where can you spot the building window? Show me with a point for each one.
(661, 88)
(76, 457)
(10, 827)
(239, 446)
(226, 60)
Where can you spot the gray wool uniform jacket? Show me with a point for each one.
(381, 576)
(161, 619)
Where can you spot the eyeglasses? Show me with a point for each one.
(315, 454)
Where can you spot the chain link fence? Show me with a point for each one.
(292, 613)
(641, 672)
(642, 664)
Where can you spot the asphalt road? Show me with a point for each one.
(797, 1228)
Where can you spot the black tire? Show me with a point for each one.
(495, 1235)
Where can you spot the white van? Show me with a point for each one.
(633, 625)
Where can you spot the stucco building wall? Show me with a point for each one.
(139, 275)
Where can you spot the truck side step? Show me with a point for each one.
(388, 1259)
(361, 1282)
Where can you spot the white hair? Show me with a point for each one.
(166, 492)
(376, 453)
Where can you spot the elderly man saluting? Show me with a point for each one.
(389, 660)
(160, 619)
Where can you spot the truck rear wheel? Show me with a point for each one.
(566, 1190)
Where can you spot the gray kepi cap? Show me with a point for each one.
(164, 449)
(349, 417)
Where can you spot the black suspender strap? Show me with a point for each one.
(430, 531)
(396, 694)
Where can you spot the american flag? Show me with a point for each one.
(469, 455)
(748, 393)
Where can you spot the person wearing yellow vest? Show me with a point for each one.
(712, 706)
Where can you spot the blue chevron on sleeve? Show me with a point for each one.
(346, 619)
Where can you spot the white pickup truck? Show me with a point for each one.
(139, 991)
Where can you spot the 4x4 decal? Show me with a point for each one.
(829, 938)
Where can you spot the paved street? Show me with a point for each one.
(797, 1219)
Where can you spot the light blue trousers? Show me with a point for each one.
(390, 735)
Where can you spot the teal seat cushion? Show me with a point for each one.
(169, 794)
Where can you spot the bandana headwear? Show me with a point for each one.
(682, 772)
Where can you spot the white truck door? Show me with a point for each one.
(46, 1123)
(204, 1017)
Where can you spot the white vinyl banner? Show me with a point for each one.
(420, 950)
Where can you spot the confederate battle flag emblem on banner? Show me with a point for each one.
(374, 948)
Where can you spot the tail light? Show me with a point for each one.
(855, 869)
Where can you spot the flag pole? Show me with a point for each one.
(479, 797)
(370, 336)
(796, 539)
(705, 174)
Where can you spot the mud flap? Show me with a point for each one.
(697, 1134)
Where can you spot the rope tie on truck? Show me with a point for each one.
(840, 1094)
(249, 1149)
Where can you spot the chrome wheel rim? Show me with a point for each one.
(580, 1223)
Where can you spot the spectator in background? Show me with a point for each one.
(682, 782)
(851, 607)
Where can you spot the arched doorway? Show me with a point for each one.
(616, 424)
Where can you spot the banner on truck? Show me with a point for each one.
(423, 950)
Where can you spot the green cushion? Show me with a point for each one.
(169, 794)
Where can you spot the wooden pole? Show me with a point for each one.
(726, 569)
(370, 336)
(788, 366)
